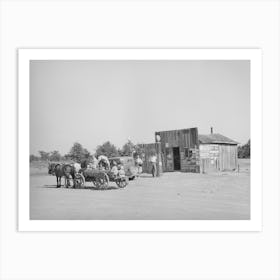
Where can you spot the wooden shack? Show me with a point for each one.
(179, 150)
(217, 153)
(184, 150)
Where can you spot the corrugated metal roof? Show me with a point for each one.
(215, 138)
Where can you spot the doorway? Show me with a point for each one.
(176, 158)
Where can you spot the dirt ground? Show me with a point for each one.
(173, 196)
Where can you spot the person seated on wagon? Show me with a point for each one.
(84, 163)
(103, 163)
(121, 171)
(77, 167)
(114, 169)
(94, 163)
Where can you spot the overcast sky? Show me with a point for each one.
(95, 101)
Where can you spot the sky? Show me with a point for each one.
(91, 101)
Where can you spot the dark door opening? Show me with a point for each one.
(176, 158)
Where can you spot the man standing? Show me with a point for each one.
(153, 160)
(139, 163)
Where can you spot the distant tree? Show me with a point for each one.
(78, 153)
(55, 156)
(86, 158)
(107, 149)
(127, 149)
(139, 150)
(66, 157)
(130, 149)
(44, 155)
(120, 153)
(87, 154)
(33, 158)
(245, 150)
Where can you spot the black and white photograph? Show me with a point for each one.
(140, 139)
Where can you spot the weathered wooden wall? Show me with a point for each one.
(228, 157)
(179, 138)
(194, 157)
(209, 158)
(217, 157)
(187, 141)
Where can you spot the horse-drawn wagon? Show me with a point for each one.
(76, 176)
(100, 174)
(99, 178)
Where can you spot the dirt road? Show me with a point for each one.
(173, 196)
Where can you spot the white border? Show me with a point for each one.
(254, 55)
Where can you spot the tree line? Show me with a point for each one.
(78, 153)
(244, 151)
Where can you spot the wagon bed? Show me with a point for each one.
(99, 178)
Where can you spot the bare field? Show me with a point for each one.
(173, 196)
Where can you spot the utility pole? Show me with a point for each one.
(158, 145)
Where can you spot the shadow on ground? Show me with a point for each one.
(82, 188)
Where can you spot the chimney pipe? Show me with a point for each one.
(211, 130)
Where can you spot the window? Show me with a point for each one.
(188, 153)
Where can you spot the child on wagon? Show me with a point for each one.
(114, 169)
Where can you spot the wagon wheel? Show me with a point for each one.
(122, 183)
(102, 180)
(95, 182)
(79, 180)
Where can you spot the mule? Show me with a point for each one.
(51, 168)
(63, 170)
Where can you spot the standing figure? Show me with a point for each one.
(139, 163)
(153, 161)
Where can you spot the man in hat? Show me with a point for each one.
(153, 161)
